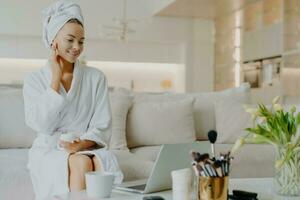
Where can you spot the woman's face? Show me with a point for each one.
(70, 40)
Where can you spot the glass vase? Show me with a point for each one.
(287, 177)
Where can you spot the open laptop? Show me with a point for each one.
(171, 157)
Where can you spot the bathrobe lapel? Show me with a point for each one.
(76, 81)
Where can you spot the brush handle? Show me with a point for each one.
(212, 149)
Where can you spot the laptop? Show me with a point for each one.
(171, 157)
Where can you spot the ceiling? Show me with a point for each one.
(206, 9)
(190, 8)
(24, 17)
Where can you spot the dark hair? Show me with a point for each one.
(76, 21)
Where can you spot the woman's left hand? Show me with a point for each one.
(71, 147)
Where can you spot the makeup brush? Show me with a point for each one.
(197, 156)
(212, 137)
(194, 165)
(205, 158)
(223, 161)
(193, 154)
(202, 163)
(218, 168)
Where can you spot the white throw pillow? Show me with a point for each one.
(203, 107)
(160, 122)
(120, 104)
(231, 121)
(13, 131)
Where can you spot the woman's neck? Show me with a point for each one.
(67, 67)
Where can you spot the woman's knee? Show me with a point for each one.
(80, 162)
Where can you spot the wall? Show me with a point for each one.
(263, 29)
(253, 31)
(291, 50)
(160, 40)
(228, 50)
(203, 56)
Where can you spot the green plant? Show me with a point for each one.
(273, 125)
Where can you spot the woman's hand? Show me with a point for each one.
(55, 62)
(55, 67)
(72, 147)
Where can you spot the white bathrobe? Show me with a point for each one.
(84, 109)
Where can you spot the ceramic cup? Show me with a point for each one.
(99, 184)
(182, 184)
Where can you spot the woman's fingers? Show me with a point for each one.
(55, 49)
(77, 140)
(52, 50)
(70, 147)
(61, 143)
(64, 144)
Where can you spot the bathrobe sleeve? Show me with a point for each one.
(99, 129)
(42, 105)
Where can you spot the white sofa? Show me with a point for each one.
(141, 123)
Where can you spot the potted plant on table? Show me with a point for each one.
(280, 128)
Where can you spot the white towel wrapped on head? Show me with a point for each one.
(56, 15)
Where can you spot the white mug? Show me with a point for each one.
(99, 184)
(182, 184)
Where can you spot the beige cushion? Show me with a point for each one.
(292, 100)
(203, 107)
(160, 122)
(251, 161)
(231, 121)
(13, 131)
(132, 166)
(146, 152)
(120, 104)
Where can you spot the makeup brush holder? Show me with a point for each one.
(212, 188)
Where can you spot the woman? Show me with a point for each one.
(65, 96)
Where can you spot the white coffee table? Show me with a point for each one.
(116, 195)
(262, 186)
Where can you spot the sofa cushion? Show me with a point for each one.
(13, 131)
(203, 107)
(146, 152)
(160, 122)
(231, 121)
(251, 161)
(132, 166)
(15, 182)
(120, 104)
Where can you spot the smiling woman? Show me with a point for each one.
(71, 39)
(63, 97)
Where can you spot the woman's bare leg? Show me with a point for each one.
(97, 165)
(78, 166)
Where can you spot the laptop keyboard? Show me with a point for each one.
(138, 187)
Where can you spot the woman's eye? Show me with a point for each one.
(70, 40)
(80, 42)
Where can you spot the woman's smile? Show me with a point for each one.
(73, 54)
